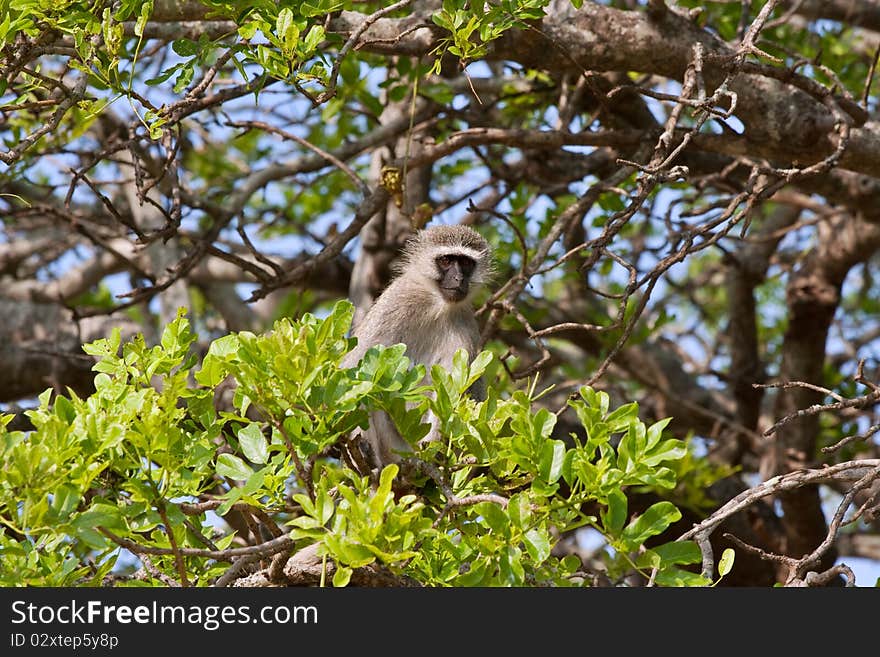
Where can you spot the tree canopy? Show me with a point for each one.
(681, 341)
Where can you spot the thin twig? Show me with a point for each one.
(266, 549)
(175, 550)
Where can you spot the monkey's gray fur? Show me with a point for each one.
(428, 308)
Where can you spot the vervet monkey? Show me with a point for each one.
(428, 308)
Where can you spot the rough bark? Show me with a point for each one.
(41, 347)
(813, 296)
(781, 119)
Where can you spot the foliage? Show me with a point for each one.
(119, 467)
(682, 201)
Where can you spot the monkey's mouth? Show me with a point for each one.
(454, 294)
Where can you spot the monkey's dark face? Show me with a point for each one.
(455, 272)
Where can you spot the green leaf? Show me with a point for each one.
(65, 499)
(305, 522)
(459, 369)
(100, 515)
(386, 478)
(64, 409)
(184, 77)
(225, 347)
(543, 423)
(92, 537)
(353, 394)
(552, 459)
(309, 9)
(668, 450)
(678, 578)
(146, 11)
(621, 417)
(669, 554)
(652, 522)
(494, 517)
(661, 477)
(679, 552)
(383, 497)
(602, 401)
(537, 544)
(284, 22)
(105, 348)
(725, 564)
(444, 387)
(253, 443)
(352, 554)
(479, 365)
(229, 465)
(306, 503)
(615, 515)
(313, 38)
(442, 19)
(185, 47)
(342, 576)
(475, 575)
(176, 338)
(248, 30)
(232, 496)
(519, 509)
(164, 75)
(255, 481)
(655, 431)
(324, 507)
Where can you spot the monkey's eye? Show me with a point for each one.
(444, 261)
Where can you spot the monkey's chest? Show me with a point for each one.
(441, 350)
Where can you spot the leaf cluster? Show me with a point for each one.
(485, 505)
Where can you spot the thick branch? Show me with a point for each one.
(41, 347)
(850, 471)
(857, 13)
(813, 295)
(782, 111)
